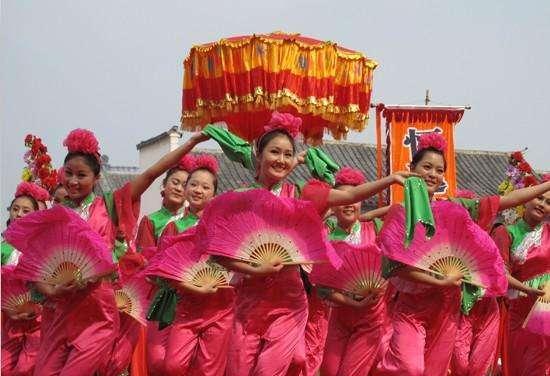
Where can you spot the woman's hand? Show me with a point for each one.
(22, 316)
(207, 289)
(534, 292)
(400, 176)
(301, 157)
(453, 280)
(67, 288)
(268, 268)
(199, 137)
(368, 299)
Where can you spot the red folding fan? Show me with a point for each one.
(360, 273)
(180, 259)
(58, 248)
(459, 246)
(257, 227)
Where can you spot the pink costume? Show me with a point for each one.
(20, 343)
(426, 318)
(477, 333)
(354, 339)
(476, 339)
(81, 327)
(271, 312)
(150, 229)
(355, 335)
(123, 346)
(198, 340)
(529, 257)
(316, 332)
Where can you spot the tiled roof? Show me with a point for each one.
(154, 139)
(113, 177)
(479, 171)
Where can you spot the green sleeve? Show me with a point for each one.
(320, 165)
(471, 205)
(235, 148)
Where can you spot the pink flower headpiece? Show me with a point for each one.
(284, 121)
(206, 162)
(349, 176)
(187, 163)
(432, 140)
(545, 178)
(465, 193)
(83, 141)
(32, 190)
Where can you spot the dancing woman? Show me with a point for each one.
(357, 327)
(272, 308)
(20, 332)
(525, 246)
(83, 321)
(426, 311)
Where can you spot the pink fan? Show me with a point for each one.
(16, 297)
(360, 273)
(538, 319)
(459, 246)
(180, 259)
(133, 297)
(58, 248)
(257, 227)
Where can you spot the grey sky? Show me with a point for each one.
(115, 66)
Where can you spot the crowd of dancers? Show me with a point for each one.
(274, 318)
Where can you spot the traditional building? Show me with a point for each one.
(478, 171)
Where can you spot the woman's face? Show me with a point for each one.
(276, 160)
(174, 189)
(347, 215)
(431, 168)
(538, 209)
(60, 195)
(20, 207)
(199, 189)
(79, 179)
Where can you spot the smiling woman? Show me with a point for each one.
(274, 287)
(113, 216)
(476, 331)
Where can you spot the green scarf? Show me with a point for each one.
(163, 305)
(417, 209)
(7, 250)
(234, 147)
(320, 165)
